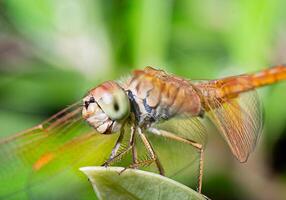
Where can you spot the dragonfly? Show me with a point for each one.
(143, 104)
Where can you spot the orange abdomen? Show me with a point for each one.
(269, 76)
(232, 86)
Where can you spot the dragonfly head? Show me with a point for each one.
(106, 107)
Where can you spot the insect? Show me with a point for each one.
(145, 100)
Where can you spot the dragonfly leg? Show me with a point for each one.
(140, 163)
(133, 145)
(154, 157)
(187, 141)
(117, 145)
(114, 156)
(135, 163)
(145, 162)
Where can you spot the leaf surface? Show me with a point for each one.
(109, 183)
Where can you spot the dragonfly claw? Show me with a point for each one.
(105, 164)
(123, 170)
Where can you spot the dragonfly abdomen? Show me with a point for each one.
(233, 86)
(269, 76)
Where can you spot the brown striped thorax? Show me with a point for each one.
(159, 95)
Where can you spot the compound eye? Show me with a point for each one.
(115, 104)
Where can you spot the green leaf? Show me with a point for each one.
(109, 183)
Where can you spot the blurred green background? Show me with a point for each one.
(52, 52)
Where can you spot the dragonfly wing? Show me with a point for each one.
(31, 144)
(64, 141)
(191, 128)
(239, 120)
(180, 160)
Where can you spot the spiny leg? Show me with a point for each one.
(151, 151)
(187, 141)
(118, 156)
(135, 163)
(117, 145)
(133, 145)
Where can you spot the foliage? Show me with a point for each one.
(112, 183)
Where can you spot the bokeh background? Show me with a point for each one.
(52, 52)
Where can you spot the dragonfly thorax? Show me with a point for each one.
(155, 96)
(145, 115)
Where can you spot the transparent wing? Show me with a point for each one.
(181, 160)
(239, 120)
(63, 142)
(192, 128)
